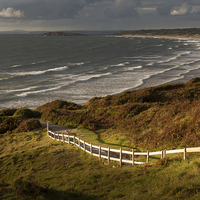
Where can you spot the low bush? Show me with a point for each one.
(8, 124)
(7, 112)
(28, 125)
(58, 105)
(26, 112)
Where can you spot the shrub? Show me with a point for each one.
(58, 105)
(8, 124)
(25, 112)
(7, 112)
(28, 125)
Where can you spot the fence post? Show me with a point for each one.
(133, 157)
(48, 128)
(91, 148)
(99, 152)
(74, 140)
(184, 154)
(68, 139)
(84, 145)
(147, 156)
(79, 142)
(54, 136)
(162, 154)
(63, 139)
(108, 155)
(120, 156)
(58, 136)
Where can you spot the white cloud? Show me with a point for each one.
(11, 13)
(182, 10)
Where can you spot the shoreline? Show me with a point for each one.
(168, 33)
(158, 36)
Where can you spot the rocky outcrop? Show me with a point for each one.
(61, 34)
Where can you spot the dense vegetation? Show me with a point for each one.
(16, 120)
(167, 117)
(186, 32)
(154, 118)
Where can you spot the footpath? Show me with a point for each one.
(58, 128)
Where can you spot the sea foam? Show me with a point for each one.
(40, 72)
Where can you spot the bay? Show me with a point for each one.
(35, 70)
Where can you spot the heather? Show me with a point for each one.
(18, 120)
(159, 117)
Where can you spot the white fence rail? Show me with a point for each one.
(120, 155)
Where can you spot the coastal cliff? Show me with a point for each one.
(61, 34)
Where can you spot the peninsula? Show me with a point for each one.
(186, 32)
(61, 34)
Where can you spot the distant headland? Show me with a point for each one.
(185, 32)
(61, 34)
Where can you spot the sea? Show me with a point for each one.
(35, 70)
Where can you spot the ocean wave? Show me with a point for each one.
(86, 77)
(121, 64)
(186, 66)
(14, 66)
(24, 94)
(75, 79)
(133, 68)
(40, 72)
(151, 64)
(174, 58)
(193, 41)
(20, 90)
(81, 63)
(35, 63)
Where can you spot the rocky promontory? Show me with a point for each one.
(61, 34)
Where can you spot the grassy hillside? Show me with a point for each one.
(32, 166)
(155, 118)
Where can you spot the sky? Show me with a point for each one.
(55, 15)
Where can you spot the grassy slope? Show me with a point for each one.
(35, 167)
(168, 118)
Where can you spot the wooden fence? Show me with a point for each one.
(109, 154)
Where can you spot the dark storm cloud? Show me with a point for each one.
(123, 8)
(164, 9)
(99, 14)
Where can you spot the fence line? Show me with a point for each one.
(120, 155)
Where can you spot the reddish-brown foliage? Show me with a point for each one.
(168, 116)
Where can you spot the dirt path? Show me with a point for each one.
(58, 128)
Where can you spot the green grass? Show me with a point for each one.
(114, 141)
(32, 166)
